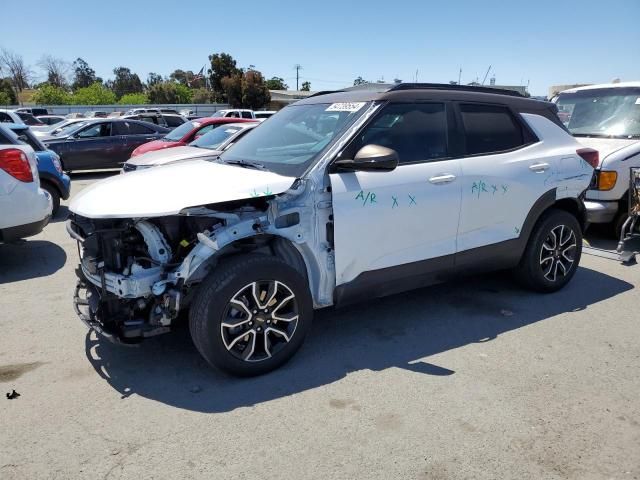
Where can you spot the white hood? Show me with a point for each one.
(169, 155)
(156, 192)
(606, 146)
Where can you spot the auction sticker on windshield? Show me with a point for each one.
(345, 107)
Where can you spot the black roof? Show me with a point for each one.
(425, 91)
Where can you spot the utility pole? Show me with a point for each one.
(459, 75)
(297, 66)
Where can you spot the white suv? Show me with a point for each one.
(25, 209)
(606, 117)
(340, 197)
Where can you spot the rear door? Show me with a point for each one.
(502, 174)
(388, 224)
(137, 134)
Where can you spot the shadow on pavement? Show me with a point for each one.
(397, 331)
(30, 259)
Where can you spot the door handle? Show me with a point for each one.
(441, 179)
(539, 167)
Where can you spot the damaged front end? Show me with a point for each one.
(137, 275)
(125, 290)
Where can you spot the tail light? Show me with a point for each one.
(15, 162)
(589, 155)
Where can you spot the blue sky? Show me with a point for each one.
(540, 42)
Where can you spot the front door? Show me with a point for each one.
(405, 217)
(90, 148)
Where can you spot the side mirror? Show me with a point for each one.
(370, 158)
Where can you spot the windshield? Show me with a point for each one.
(289, 142)
(68, 128)
(219, 113)
(607, 112)
(215, 137)
(177, 133)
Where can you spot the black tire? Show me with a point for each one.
(55, 196)
(232, 279)
(549, 276)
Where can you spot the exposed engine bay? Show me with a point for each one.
(137, 275)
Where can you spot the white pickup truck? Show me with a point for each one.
(606, 117)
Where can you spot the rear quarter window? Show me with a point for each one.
(490, 129)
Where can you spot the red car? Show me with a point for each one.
(185, 134)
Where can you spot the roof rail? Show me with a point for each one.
(447, 86)
(323, 92)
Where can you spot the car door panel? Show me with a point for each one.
(394, 218)
(410, 214)
(499, 188)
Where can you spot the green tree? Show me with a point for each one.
(201, 95)
(6, 89)
(169, 92)
(306, 86)
(125, 82)
(5, 100)
(232, 90)
(222, 66)
(255, 93)
(83, 75)
(276, 83)
(153, 79)
(51, 95)
(133, 99)
(183, 94)
(95, 94)
(359, 81)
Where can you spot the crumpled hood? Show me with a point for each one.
(156, 192)
(606, 146)
(169, 155)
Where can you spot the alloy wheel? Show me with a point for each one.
(259, 320)
(558, 253)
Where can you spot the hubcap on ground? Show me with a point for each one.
(259, 320)
(558, 253)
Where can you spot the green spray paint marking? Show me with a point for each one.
(254, 193)
(268, 191)
(412, 200)
(370, 197)
(479, 187)
(395, 202)
(505, 189)
(494, 188)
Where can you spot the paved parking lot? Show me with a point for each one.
(477, 379)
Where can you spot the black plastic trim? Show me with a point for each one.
(12, 234)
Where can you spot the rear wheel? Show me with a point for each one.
(251, 314)
(553, 252)
(55, 196)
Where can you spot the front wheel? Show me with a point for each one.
(553, 252)
(251, 314)
(55, 197)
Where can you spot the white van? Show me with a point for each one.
(606, 117)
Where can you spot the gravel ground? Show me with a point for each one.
(476, 379)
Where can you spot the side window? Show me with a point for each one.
(490, 128)
(95, 131)
(417, 132)
(206, 129)
(246, 115)
(4, 118)
(139, 129)
(173, 121)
